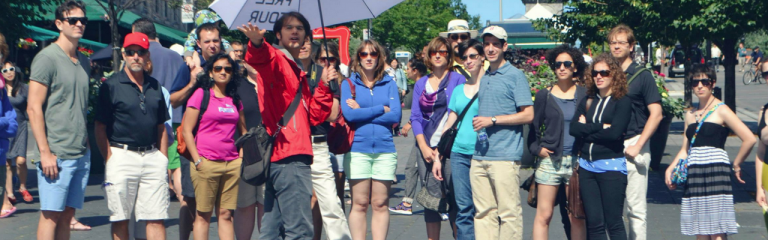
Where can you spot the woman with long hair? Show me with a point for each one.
(6, 108)
(216, 161)
(707, 210)
(554, 108)
(371, 163)
(17, 94)
(599, 125)
(429, 113)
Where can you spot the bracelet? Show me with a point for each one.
(736, 170)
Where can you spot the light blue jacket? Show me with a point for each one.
(373, 127)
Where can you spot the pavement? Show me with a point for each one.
(663, 204)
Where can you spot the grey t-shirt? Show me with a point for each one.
(66, 106)
(502, 92)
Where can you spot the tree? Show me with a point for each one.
(412, 23)
(115, 11)
(16, 13)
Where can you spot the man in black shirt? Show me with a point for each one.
(646, 115)
(130, 118)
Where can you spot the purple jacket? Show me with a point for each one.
(418, 122)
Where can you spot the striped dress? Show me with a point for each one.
(707, 206)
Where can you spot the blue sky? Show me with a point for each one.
(489, 9)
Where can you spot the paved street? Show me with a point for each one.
(663, 204)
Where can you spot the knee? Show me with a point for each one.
(360, 205)
(543, 217)
(379, 205)
(204, 216)
(224, 214)
(122, 224)
(21, 162)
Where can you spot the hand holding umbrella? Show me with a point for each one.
(253, 33)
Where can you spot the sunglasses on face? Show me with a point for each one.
(470, 57)
(217, 69)
(74, 20)
(442, 53)
(10, 69)
(706, 82)
(567, 64)
(456, 37)
(130, 53)
(366, 54)
(604, 73)
(327, 59)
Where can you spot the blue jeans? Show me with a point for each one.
(287, 212)
(68, 190)
(462, 192)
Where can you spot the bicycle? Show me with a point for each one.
(751, 76)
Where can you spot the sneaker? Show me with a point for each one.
(401, 209)
(444, 216)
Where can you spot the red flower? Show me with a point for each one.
(29, 40)
(542, 58)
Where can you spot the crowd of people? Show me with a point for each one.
(165, 121)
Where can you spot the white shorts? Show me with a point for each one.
(137, 180)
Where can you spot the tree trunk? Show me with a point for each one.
(115, 36)
(687, 85)
(729, 52)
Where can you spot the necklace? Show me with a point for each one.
(700, 112)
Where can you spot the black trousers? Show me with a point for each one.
(603, 195)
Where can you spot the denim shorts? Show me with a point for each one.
(554, 173)
(68, 190)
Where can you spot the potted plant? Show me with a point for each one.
(671, 108)
(85, 51)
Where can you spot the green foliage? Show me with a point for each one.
(16, 13)
(756, 38)
(669, 106)
(412, 23)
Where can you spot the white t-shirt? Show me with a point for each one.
(716, 52)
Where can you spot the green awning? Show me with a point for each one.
(42, 34)
(94, 12)
(532, 42)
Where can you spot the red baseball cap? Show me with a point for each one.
(138, 39)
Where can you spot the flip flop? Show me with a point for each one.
(7, 213)
(27, 197)
(82, 227)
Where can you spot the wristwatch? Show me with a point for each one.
(493, 119)
(198, 162)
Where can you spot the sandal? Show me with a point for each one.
(27, 197)
(78, 226)
(7, 213)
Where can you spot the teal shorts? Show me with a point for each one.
(377, 166)
(174, 161)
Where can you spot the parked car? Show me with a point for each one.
(679, 56)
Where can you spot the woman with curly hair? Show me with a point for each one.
(216, 170)
(599, 126)
(554, 108)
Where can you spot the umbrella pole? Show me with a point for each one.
(322, 25)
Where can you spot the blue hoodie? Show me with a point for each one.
(8, 124)
(373, 127)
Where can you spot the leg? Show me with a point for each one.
(293, 188)
(612, 191)
(593, 205)
(176, 183)
(46, 226)
(245, 218)
(62, 227)
(433, 230)
(411, 176)
(637, 189)
(202, 222)
(272, 218)
(225, 225)
(229, 184)
(120, 230)
(317, 221)
(379, 203)
(206, 183)
(504, 176)
(6, 205)
(577, 226)
(360, 190)
(462, 192)
(339, 178)
(329, 210)
(562, 200)
(484, 197)
(155, 230)
(9, 180)
(545, 205)
(21, 168)
(188, 202)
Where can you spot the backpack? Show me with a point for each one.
(342, 132)
(182, 145)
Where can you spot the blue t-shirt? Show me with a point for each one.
(502, 92)
(742, 52)
(568, 107)
(604, 165)
(466, 137)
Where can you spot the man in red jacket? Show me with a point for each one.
(289, 187)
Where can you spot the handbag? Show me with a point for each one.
(435, 199)
(181, 146)
(680, 172)
(530, 183)
(575, 204)
(342, 132)
(258, 145)
(449, 137)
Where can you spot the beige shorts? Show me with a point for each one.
(137, 182)
(216, 184)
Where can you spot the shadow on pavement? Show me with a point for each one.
(94, 221)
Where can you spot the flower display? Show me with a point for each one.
(27, 43)
(85, 51)
(538, 72)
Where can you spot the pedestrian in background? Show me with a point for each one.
(17, 91)
(8, 127)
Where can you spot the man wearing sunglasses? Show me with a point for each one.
(458, 32)
(59, 90)
(130, 133)
(646, 115)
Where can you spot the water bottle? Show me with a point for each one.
(482, 136)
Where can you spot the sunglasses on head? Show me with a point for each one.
(218, 69)
(10, 69)
(704, 82)
(327, 59)
(366, 54)
(567, 64)
(463, 37)
(442, 53)
(74, 20)
(142, 52)
(473, 56)
(604, 73)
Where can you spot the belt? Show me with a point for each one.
(319, 139)
(132, 148)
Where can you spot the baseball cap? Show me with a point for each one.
(138, 39)
(496, 31)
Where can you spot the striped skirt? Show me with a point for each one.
(707, 206)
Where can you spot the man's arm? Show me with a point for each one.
(162, 138)
(38, 93)
(100, 130)
(652, 98)
(180, 96)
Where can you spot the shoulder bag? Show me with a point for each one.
(680, 172)
(446, 141)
